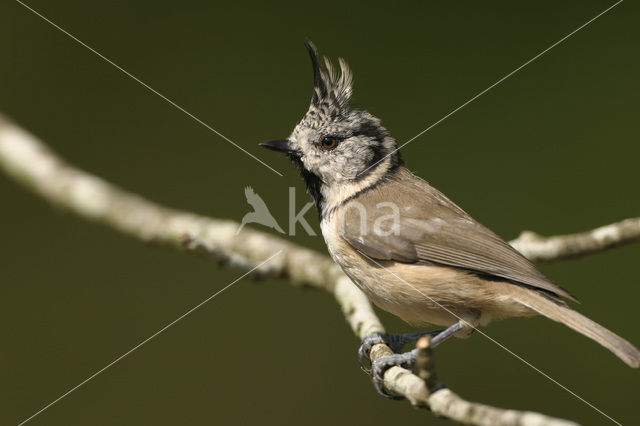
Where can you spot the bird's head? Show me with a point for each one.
(337, 148)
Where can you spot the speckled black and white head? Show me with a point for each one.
(339, 150)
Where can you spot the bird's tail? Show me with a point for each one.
(561, 313)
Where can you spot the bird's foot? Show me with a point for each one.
(405, 360)
(394, 341)
(381, 365)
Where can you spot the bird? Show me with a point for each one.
(408, 247)
(260, 213)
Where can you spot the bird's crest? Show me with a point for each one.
(329, 87)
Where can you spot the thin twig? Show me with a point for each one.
(547, 249)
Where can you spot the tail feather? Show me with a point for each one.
(561, 313)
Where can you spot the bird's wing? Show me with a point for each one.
(431, 228)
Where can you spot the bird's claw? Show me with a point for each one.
(365, 349)
(394, 341)
(381, 365)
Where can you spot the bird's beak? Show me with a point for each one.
(282, 145)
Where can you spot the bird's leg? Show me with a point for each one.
(447, 333)
(394, 341)
(407, 359)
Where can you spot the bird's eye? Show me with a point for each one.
(329, 142)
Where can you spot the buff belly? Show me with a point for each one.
(422, 294)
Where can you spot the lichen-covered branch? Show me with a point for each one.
(546, 249)
(34, 165)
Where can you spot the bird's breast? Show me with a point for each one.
(384, 287)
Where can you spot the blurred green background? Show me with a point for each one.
(554, 149)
